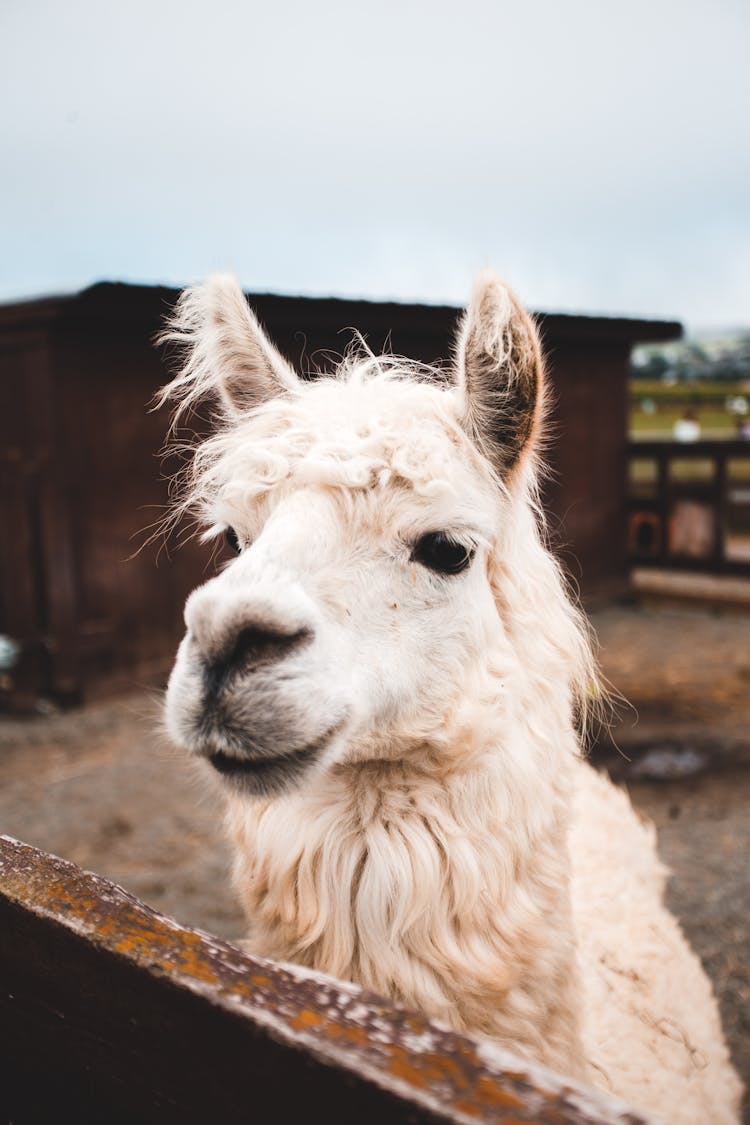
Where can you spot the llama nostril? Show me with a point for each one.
(252, 648)
(255, 645)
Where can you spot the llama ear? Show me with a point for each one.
(226, 352)
(499, 372)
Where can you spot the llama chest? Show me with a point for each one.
(392, 890)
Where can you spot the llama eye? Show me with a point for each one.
(232, 541)
(442, 554)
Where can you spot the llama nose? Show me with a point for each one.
(253, 647)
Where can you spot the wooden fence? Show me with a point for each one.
(690, 505)
(110, 1012)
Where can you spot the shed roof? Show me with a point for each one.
(108, 303)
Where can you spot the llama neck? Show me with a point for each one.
(439, 881)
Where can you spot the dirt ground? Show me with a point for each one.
(683, 752)
(102, 787)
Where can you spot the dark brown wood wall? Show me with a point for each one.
(585, 493)
(81, 480)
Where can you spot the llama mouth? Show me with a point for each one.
(267, 775)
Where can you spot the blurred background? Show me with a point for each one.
(355, 165)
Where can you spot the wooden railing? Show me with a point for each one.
(689, 505)
(110, 1012)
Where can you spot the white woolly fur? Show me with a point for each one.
(442, 843)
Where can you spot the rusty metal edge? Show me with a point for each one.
(455, 1077)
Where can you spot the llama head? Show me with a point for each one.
(373, 514)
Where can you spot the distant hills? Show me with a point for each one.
(724, 357)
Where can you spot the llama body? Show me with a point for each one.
(388, 678)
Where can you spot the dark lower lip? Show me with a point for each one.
(265, 775)
(230, 766)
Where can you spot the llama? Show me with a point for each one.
(388, 682)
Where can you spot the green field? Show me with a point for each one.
(707, 401)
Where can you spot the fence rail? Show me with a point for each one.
(689, 505)
(111, 1012)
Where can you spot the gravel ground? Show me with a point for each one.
(102, 787)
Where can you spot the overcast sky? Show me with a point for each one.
(595, 153)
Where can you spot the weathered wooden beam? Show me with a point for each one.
(112, 1012)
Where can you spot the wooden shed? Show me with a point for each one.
(81, 478)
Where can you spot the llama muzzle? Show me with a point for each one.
(254, 646)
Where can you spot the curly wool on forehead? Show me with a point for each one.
(357, 431)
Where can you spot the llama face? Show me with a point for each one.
(367, 510)
(363, 519)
